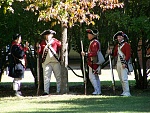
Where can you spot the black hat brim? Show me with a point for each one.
(115, 36)
(93, 32)
(47, 32)
(120, 33)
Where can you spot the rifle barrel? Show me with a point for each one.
(83, 67)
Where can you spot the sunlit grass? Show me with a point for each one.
(75, 103)
(139, 102)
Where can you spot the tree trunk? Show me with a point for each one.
(64, 61)
(135, 60)
(144, 62)
(140, 77)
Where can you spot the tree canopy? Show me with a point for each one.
(72, 11)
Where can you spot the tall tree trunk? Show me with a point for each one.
(140, 77)
(64, 61)
(144, 79)
(136, 62)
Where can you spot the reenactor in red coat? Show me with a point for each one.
(49, 49)
(122, 52)
(94, 68)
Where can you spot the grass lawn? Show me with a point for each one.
(139, 102)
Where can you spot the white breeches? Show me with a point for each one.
(95, 81)
(16, 84)
(123, 76)
(47, 71)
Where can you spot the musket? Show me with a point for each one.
(38, 72)
(112, 73)
(84, 76)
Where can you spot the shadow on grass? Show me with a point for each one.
(29, 89)
(76, 88)
(78, 102)
(93, 104)
(103, 104)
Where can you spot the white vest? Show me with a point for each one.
(50, 57)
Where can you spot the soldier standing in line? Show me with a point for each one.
(49, 49)
(123, 53)
(94, 68)
(17, 63)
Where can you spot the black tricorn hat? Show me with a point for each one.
(94, 32)
(46, 32)
(16, 36)
(120, 33)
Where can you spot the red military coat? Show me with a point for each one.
(94, 47)
(126, 49)
(56, 45)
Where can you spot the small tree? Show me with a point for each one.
(67, 13)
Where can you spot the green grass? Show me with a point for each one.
(139, 102)
(75, 103)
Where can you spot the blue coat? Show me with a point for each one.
(16, 68)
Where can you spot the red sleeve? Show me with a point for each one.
(94, 47)
(58, 43)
